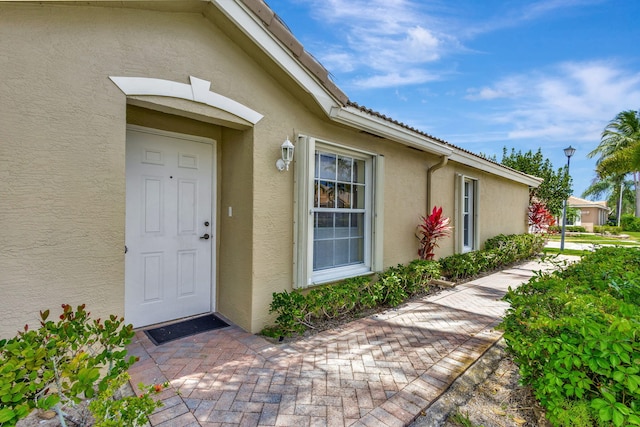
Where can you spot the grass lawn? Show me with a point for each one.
(633, 240)
(550, 251)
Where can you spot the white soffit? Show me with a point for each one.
(359, 119)
(197, 91)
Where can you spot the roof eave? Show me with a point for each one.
(494, 168)
(356, 118)
(261, 25)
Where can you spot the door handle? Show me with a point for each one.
(205, 237)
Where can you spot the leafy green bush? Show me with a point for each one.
(499, 251)
(64, 362)
(299, 310)
(629, 222)
(568, 228)
(574, 336)
(602, 229)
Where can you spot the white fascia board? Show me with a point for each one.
(495, 169)
(253, 28)
(359, 119)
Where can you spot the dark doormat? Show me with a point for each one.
(185, 328)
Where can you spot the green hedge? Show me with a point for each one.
(300, 310)
(630, 223)
(499, 251)
(602, 229)
(568, 228)
(575, 336)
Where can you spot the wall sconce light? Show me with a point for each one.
(287, 155)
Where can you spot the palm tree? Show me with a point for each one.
(619, 150)
(609, 189)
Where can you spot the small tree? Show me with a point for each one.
(431, 229)
(540, 219)
(556, 187)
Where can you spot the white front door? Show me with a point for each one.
(169, 226)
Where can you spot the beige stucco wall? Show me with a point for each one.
(502, 204)
(62, 192)
(63, 152)
(591, 216)
(64, 127)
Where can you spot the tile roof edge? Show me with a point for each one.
(283, 34)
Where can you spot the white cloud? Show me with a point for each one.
(517, 13)
(396, 78)
(509, 87)
(403, 42)
(573, 101)
(395, 41)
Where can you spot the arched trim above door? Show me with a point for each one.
(197, 91)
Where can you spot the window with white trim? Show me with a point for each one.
(468, 235)
(339, 218)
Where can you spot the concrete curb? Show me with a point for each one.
(461, 391)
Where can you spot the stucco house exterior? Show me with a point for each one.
(590, 214)
(138, 149)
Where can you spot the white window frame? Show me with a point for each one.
(304, 275)
(474, 213)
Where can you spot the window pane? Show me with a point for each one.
(326, 194)
(344, 168)
(358, 196)
(358, 171)
(466, 229)
(341, 255)
(323, 228)
(344, 196)
(327, 166)
(342, 225)
(357, 225)
(356, 252)
(322, 254)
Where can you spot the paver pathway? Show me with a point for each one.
(382, 370)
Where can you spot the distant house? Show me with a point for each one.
(139, 148)
(590, 214)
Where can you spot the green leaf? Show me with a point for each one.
(624, 410)
(634, 419)
(605, 413)
(6, 414)
(618, 418)
(619, 376)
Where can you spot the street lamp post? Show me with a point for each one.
(569, 151)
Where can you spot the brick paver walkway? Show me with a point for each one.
(382, 370)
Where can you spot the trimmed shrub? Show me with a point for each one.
(574, 336)
(499, 251)
(629, 222)
(569, 228)
(603, 229)
(300, 310)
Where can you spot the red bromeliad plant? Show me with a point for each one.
(540, 219)
(431, 229)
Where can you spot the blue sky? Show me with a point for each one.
(483, 74)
